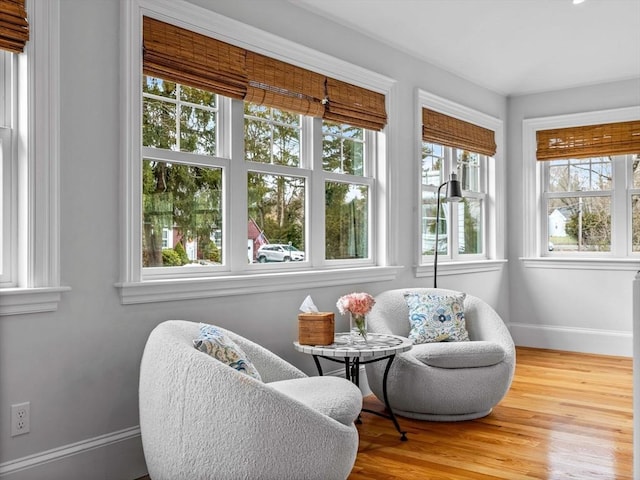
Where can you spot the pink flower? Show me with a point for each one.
(356, 303)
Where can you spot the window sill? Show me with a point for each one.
(222, 286)
(18, 301)
(582, 263)
(458, 268)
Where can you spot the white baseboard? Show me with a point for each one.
(584, 340)
(116, 455)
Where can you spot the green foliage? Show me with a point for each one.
(184, 259)
(171, 258)
(346, 221)
(211, 252)
(596, 229)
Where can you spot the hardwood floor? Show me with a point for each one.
(566, 416)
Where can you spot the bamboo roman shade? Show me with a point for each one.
(589, 141)
(14, 28)
(354, 105)
(190, 58)
(186, 57)
(285, 86)
(452, 132)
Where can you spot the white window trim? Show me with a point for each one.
(494, 203)
(533, 241)
(37, 279)
(133, 287)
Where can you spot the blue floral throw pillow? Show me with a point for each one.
(436, 318)
(215, 343)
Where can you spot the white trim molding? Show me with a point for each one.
(585, 340)
(193, 288)
(55, 454)
(37, 286)
(461, 268)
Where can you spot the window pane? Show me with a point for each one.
(276, 210)
(469, 225)
(197, 130)
(635, 222)
(159, 124)
(635, 166)
(181, 208)
(432, 163)
(198, 96)
(469, 168)
(580, 224)
(429, 211)
(342, 149)
(591, 174)
(158, 86)
(346, 221)
(271, 136)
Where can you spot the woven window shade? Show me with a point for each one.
(190, 58)
(354, 105)
(14, 28)
(281, 85)
(589, 141)
(452, 132)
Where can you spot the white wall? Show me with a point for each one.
(79, 365)
(582, 310)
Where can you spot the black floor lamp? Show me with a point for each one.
(454, 194)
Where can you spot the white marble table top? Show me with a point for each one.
(378, 345)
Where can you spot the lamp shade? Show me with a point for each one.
(454, 189)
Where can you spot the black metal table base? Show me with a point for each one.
(352, 372)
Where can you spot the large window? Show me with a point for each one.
(29, 210)
(183, 195)
(581, 188)
(461, 228)
(586, 199)
(459, 141)
(246, 165)
(8, 166)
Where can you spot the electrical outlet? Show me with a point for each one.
(20, 418)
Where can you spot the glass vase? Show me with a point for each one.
(358, 328)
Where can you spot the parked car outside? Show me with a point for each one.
(279, 252)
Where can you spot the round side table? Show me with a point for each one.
(379, 346)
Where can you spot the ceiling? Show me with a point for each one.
(512, 47)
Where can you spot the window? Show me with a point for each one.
(578, 198)
(584, 199)
(8, 165)
(183, 194)
(583, 168)
(461, 226)
(264, 154)
(29, 222)
(457, 140)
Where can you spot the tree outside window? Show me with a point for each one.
(183, 179)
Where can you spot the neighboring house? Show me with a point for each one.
(557, 224)
(255, 239)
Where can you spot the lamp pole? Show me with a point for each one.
(454, 194)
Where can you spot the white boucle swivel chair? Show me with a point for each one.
(444, 381)
(202, 419)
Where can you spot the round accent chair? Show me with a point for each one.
(444, 381)
(203, 419)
